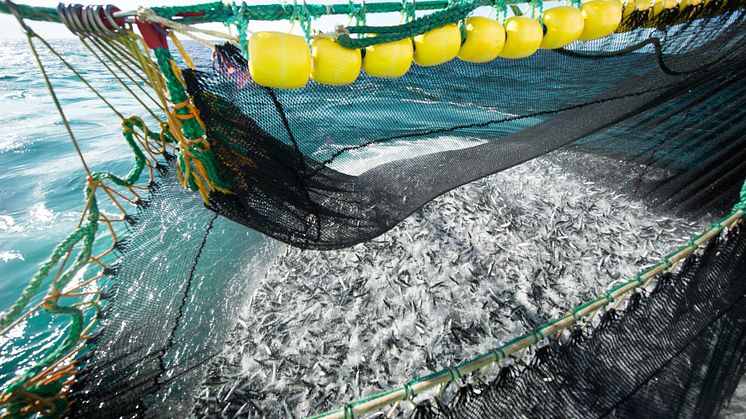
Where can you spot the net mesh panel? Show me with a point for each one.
(677, 353)
(674, 105)
(170, 300)
(289, 152)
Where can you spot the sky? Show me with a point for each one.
(9, 28)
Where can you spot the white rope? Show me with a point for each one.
(149, 15)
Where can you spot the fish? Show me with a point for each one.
(496, 258)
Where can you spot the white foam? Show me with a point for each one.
(7, 256)
(355, 162)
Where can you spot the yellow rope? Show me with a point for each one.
(182, 51)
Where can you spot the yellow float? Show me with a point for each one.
(390, 60)
(334, 64)
(437, 46)
(485, 39)
(523, 37)
(563, 25)
(602, 17)
(279, 60)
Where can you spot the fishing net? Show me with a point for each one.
(663, 97)
(290, 162)
(659, 357)
(151, 351)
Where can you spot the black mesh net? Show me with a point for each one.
(292, 153)
(676, 353)
(669, 99)
(170, 300)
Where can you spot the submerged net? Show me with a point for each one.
(662, 99)
(659, 357)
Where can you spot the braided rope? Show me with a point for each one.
(180, 18)
(40, 388)
(194, 152)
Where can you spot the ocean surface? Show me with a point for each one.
(41, 184)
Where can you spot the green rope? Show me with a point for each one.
(357, 12)
(537, 10)
(84, 236)
(409, 9)
(42, 14)
(409, 29)
(501, 10)
(190, 127)
(303, 16)
(219, 12)
(242, 25)
(211, 12)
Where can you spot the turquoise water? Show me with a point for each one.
(41, 184)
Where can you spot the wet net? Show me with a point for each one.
(659, 357)
(662, 97)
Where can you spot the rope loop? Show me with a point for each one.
(408, 391)
(303, 16)
(538, 336)
(242, 25)
(576, 316)
(667, 262)
(692, 245)
(537, 4)
(357, 12)
(455, 375)
(638, 279)
(500, 8)
(499, 354)
(408, 10)
(348, 412)
(609, 298)
(718, 226)
(294, 14)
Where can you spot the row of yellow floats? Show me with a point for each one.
(284, 60)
